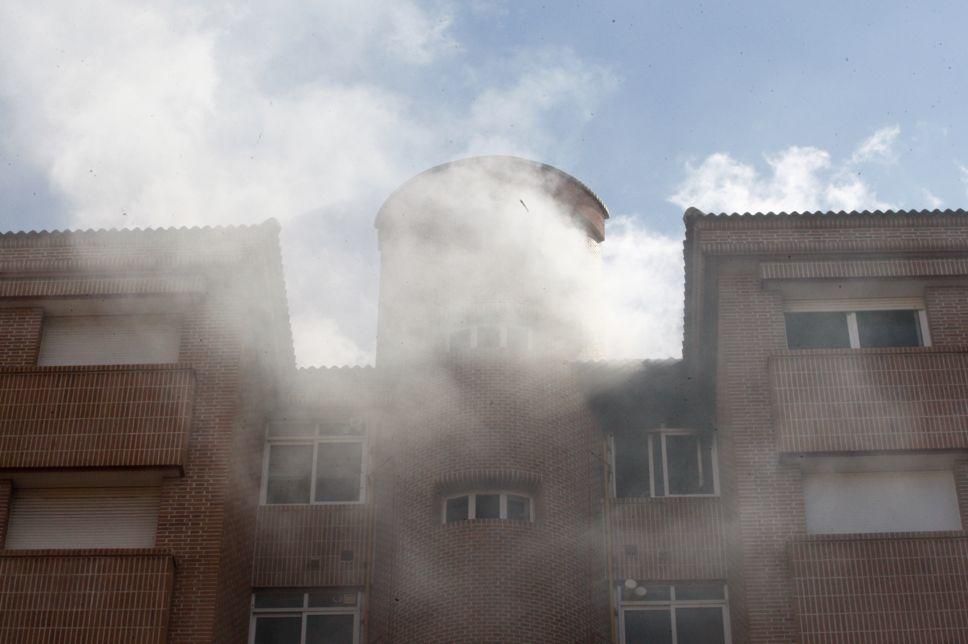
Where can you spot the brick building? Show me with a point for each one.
(167, 474)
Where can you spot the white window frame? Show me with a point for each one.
(671, 605)
(472, 505)
(851, 307)
(313, 441)
(304, 612)
(649, 437)
(503, 331)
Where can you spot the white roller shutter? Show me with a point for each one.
(121, 517)
(109, 339)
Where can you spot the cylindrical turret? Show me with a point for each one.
(489, 252)
(486, 468)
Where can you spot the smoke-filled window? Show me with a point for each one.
(324, 615)
(665, 463)
(681, 613)
(856, 324)
(488, 505)
(310, 462)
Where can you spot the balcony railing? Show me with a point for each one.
(95, 416)
(870, 400)
(890, 588)
(668, 538)
(85, 595)
(311, 545)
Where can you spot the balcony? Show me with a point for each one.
(668, 538)
(891, 588)
(870, 400)
(311, 545)
(85, 595)
(130, 416)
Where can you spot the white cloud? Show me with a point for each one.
(933, 200)
(643, 291)
(878, 147)
(799, 179)
(163, 114)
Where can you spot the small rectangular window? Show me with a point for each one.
(519, 508)
(888, 328)
(488, 506)
(458, 509)
(825, 330)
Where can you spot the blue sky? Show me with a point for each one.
(166, 113)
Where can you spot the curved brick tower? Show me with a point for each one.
(487, 483)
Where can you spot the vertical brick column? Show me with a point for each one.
(768, 497)
(6, 490)
(20, 336)
(947, 309)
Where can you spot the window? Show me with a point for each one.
(665, 463)
(311, 462)
(514, 338)
(869, 502)
(488, 505)
(317, 616)
(681, 613)
(855, 324)
(109, 339)
(119, 517)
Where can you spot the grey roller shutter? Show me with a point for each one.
(109, 339)
(125, 517)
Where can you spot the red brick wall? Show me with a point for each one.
(947, 309)
(19, 336)
(891, 589)
(487, 425)
(668, 539)
(94, 416)
(85, 596)
(870, 399)
(767, 495)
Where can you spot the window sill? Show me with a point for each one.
(677, 498)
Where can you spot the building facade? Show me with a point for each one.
(167, 474)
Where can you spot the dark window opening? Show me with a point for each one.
(657, 464)
(817, 331)
(889, 329)
(458, 509)
(488, 506)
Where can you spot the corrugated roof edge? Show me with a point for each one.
(694, 213)
(271, 222)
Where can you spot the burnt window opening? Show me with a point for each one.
(488, 505)
(327, 615)
(673, 613)
(859, 329)
(665, 463)
(313, 463)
